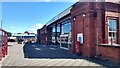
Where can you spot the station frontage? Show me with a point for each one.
(90, 29)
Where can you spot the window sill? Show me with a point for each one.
(109, 45)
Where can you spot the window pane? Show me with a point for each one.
(114, 34)
(112, 25)
(66, 27)
(53, 29)
(110, 34)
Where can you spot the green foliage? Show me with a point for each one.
(9, 34)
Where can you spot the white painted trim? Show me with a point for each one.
(111, 31)
(65, 35)
(64, 48)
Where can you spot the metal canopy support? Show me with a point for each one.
(60, 28)
(55, 34)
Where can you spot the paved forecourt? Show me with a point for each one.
(16, 57)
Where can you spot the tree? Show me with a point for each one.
(9, 34)
(27, 32)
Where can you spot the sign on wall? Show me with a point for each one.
(80, 38)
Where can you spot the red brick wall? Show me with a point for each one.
(84, 25)
(110, 52)
(43, 34)
(91, 24)
(77, 26)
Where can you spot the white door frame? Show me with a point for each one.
(65, 35)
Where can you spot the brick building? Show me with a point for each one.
(96, 24)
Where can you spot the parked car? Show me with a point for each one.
(20, 41)
(11, 40)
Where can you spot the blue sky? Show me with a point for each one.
(29, 16)
(0, 10)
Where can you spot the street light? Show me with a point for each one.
(1, 23)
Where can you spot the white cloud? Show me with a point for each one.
(34, 28)
(12, 27)
(37, 26)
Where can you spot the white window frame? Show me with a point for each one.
(115, 37)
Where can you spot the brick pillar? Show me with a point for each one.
(101, 23)
(73, 34)
(119, 29)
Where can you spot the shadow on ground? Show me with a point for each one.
(46, 51)
(39, 51)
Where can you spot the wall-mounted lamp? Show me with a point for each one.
(74, 18)
(84, 14)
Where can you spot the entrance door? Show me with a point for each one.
(65, 41)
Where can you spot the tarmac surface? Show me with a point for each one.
(44, 55)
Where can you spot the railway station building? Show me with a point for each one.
(86, 28)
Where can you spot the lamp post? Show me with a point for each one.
(1, 23)
(2, 33)
(84, 15)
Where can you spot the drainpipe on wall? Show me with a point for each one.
(97, 43)
(111, 41)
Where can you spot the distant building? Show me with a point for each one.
(25, 36)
